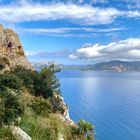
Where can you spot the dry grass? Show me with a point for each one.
(46, 127)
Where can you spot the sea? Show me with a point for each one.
(109, 100)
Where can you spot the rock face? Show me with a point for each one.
(19, 133)
(62, 108)
(60, 136)
(14, 56)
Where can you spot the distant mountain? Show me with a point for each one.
(40, 65)
(114, 65)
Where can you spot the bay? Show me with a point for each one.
(109, 100)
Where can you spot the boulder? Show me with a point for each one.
(60, 136)
(19, 134)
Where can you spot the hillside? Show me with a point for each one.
(31, 106)
(114, 65)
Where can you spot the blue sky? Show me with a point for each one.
(75, 31)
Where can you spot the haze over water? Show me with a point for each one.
(109, 100)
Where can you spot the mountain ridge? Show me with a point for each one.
(114, 65)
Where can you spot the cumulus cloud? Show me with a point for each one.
(74, 13)
(58, 11)
(123, 49)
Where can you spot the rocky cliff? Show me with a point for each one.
(14, 56)
(10, 57)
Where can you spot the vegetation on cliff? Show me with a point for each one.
(30, 99)
(26, 101)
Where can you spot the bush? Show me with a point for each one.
(85, 129)
(6, 134)
(42, 83)
(47, 82)
(11, 81)
(10, 107)
(28, 77)
(41, 106)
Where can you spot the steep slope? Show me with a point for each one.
(30, 107)
(9, 58)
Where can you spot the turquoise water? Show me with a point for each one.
(111, 101)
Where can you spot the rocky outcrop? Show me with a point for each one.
(19, 134)
(11, 57)
(62, 109)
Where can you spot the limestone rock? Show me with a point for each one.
(14, 56)
(19, 134)
(60, 136)
(58, 102)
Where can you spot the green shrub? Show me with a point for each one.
(11, 81)
(28, 77)
(41, 106)
(10, 107)
(85, 129)
(42, 83)
(47, 82)
(6, 134)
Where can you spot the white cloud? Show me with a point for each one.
(70, 32)
(74, 13)
(123, 49)
(135, 14)
(132, 4)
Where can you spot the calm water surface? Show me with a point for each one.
(111, 101)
